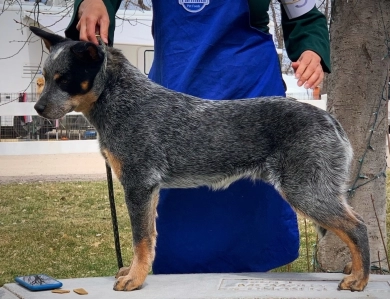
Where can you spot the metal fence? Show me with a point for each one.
(34, 127)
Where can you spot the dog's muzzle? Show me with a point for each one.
(39, 108)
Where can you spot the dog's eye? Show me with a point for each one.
(61, 80)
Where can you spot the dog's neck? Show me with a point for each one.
(105, 84)
(117, 72)
(122, 91)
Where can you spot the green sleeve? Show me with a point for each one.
(259, 17)
(112, 7)
(307, 32)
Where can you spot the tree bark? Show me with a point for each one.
(277, 25)
(356, 96)
(278, 32)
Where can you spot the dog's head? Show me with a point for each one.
(71, 73)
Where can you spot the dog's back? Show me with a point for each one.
(181, 140)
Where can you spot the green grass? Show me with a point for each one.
(61, 229)
(64, 229)
(308, 240)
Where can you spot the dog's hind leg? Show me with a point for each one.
(356, 239)
(354, 233)
(335, 215)
(141, 204)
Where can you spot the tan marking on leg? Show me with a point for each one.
(84, 85)
(114, 162)
(355, 281)
(125, 270)
(83, 103)
(357, 263)
(358, 279)
(139, 268)
(131, 278)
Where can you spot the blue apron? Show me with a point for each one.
(207, 48)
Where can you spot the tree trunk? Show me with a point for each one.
(278, 32)
(326, 11)
(360, 41)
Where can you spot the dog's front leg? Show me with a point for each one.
(141, 203)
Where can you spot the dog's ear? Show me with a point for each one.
(49, 39)
(87, 52)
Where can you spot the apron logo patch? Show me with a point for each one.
(194, 5)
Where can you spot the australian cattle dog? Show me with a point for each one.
(157, 138)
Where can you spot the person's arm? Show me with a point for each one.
(306, 40)
(304, 37)
(93, 16)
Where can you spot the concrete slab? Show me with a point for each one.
(5, 294)
(216, 286)
(60, 167)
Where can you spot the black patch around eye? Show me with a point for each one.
(73, 86)
(77, 73)
(62, 80)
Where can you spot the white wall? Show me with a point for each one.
(139, 56)
(48, 147)
(12, 39)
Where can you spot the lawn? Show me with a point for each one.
(61, 229)
(64, 229)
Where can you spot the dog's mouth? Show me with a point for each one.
(50, 112)
(57, 107)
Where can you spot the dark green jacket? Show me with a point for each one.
(308, 32)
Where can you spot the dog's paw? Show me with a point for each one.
(350, 282)
(126, 283)
(122, 272)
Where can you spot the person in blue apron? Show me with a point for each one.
(209, 49)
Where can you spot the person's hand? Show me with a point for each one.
(308, 69)
(93, 19)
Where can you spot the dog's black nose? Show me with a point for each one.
(39, 108)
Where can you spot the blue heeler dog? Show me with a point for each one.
(157, 138)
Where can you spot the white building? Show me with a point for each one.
(21, 54)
